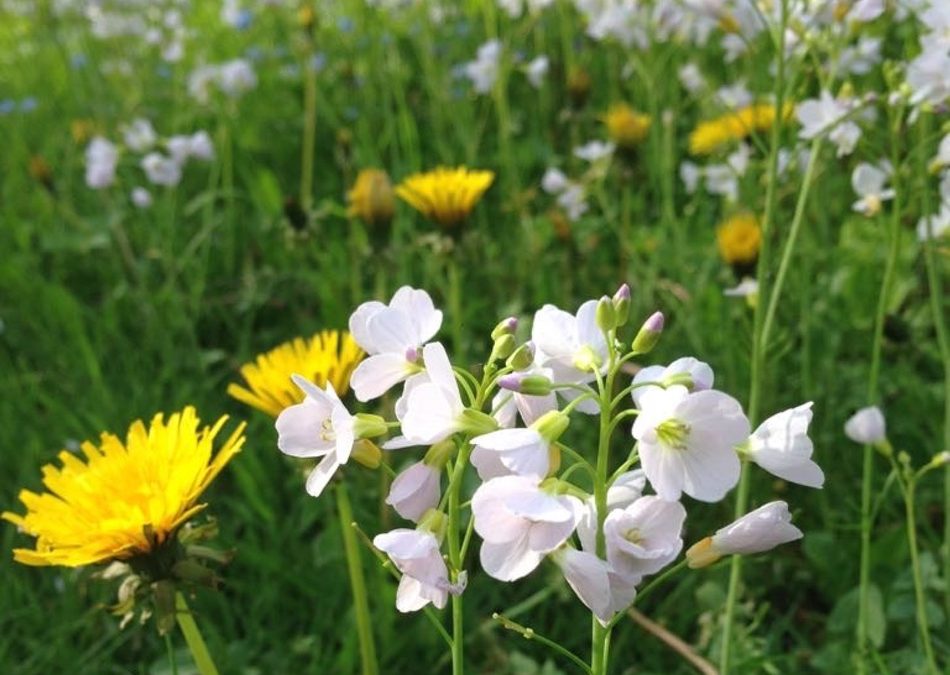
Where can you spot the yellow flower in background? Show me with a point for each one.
(445, 195)
(125, 499)
(371, 197)
(711, 135)
(328, 356)
(625, 126)
(739, 238)
(82, 130)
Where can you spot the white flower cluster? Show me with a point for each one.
(688, 438)
(233, 79)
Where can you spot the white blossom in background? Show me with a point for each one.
(483, 71)
(594, 151)
(866, 426)
(781, 446)
(692, 79)
(139, 136)
(936, 226)
(233, 79)
(869, 182)
(746, 288)
(161, 169)
(536, 70)
(102, 157)
(825, 115)
(141, 198)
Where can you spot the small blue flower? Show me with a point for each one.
(345, 24)
(244, 19)
(7, 106)
(78, 61)
(28, 104)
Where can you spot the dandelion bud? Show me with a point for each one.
(371, 198)
(367, 453)
(625, 126)
(649, 334)
(366, 425)
(578, 86)
(866, 426)
(522, 357)
(505, 327)
(606, 316)
(532, 385)
(503, 348)
(621, 302)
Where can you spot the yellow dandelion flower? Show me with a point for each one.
(371, 197)
(124, 499)
(445, 195)
(625, 126)
(711, 135)
(329, 356)
(82, 130)
(739, 238)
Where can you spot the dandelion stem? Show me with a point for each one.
(196, 643)
(354, 566)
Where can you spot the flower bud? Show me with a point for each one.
(437, 455)
(477, 423)
(433, 521)
(505, 327)
(621, 302)
(371, 198)
(551, 425)
(702, 554)
(367, 453)
(649, 334)
(366, 425)
(532, 385)
(867, 426)
(522, 357)
(503, 348)
(606, 315)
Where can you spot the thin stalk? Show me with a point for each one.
(354, 566)
(529, 634)
(196, 643)
(758, 342)
(867, 471)
(922, 625)
(455, 558)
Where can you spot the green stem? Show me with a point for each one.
(867, 472)
(922, 625)
(309, 130)
(529, 634)
(354, 566)
(199, 650)
(172, 662)
(455, 558)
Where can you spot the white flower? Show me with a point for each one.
(699, 373)
(782, 447)
(161, 170)
(690, 174)
(425, 577)
(141, 197)
(536, 70)
(483, 71)
(554, 181)
(594, 151)
(748, 287)
(866, 426)
(823, 115)
(392, 336)
(758, 531)
(928, 76)
(935, 226)
(692, 78)
(573, 201)
(625, 490)
(139, 136)
(868, 182)
(102, 157)
(735, 96)
(519, 524)
(236, 77)
(866, 10)
(687, 442)
(571, 346)
(588, 576)
(862, 57)
(319, 426)
(644, 537)
(414, 491)
(522, 452)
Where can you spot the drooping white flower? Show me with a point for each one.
(415, 490)
(928, 76)
(520, 452)
(102, 157)
(868, 182)
(687, 442)
(554, 181)
(588, 576)
(782, 447)
(519, 524)
(425, 577)
(536, 70)
(866, 426)
(761, 530)
(689, 371)
(392, 336)
(644, 537)
(319, 426)
(139, 136)
(161, 170)
(746, 288)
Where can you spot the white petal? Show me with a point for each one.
(392, 331)
(587, 575)
(377, 374)
(358, 327)
(418, 306)
(321, 474)
(509, 561)
(300, 428)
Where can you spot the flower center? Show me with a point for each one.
(327, 433)
(586, 360)
(633, 536)
(672, 433)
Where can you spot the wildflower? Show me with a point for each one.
(711, 135)
(644, 537)
(747, 288)
(825, 115)
(328, 357)
(102, 157)
(536, 70)
(393, 336)
(139, 136)
(782, 447)
(321, 426)
(519, 524)
(198, 146)
(445, 195)
(625, 126)
(868, 182)
(594, 151)
(483, 71)
(520, 452)
(572, 346)
(935, 226)
(866, 426)
(82, 130)
(739, 238)
(415, 490)
(126, 499)
(371, 197)
(141, 198)
(761, 530)
(691, 77)
(425, 578)
(587, 575)
(624, 491)
(161, 170)
(687, 442)
(690, 372)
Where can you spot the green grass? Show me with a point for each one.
(110, 315)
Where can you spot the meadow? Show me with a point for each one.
(188, 185)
